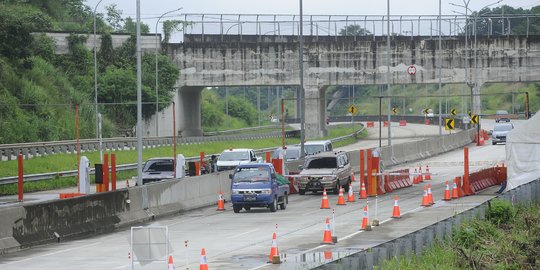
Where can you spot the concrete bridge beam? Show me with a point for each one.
(189, 111)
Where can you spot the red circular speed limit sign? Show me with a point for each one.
(411, 70)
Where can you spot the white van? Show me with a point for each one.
(315, 147)
(230, 158)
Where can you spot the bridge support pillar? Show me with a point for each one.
(189, 111)
(315, 112)
(476, 100)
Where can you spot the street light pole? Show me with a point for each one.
(389, 76)
(302, 92)
(440, 67)
(139, 97)
(157, 78)
(95, 80)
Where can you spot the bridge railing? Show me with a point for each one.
(356, 25)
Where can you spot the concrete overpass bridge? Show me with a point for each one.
(222, 59)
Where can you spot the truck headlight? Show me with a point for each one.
(235, 192)
(328, 178)
(266, 191)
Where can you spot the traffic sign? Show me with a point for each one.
(453, 112)
(426, 111)
(470, 114)
(395, 110)
(449, 123)
(411, 70)
(352, 109)
(475, 119)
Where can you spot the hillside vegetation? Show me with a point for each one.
(39, 89)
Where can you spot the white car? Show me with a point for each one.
(230, 158)
(314, 147)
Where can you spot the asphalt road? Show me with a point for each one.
(242, 241)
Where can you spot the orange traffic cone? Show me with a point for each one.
(416, 180)
(350, 195)
(204, 262)
(455, 193)
(324, 203)
(363, 192)
(365, 220)
(428, 174)
(341, 199)
(447, 193)
(220, 203)
(170, 264)
(274, 253)
(327, 238)
(430, 195)
(420, 177)
(352, 177)
(396, 213)
(425, 200)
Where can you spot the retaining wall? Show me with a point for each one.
(33, 224)
(416, 242)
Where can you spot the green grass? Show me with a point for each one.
(64, 162)
(57, 183)
(508, 239)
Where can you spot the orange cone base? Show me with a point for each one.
(327, 239)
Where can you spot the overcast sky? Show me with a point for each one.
(151, 9)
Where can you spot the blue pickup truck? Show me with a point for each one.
(258, 185)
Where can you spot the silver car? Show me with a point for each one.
(327, 170)
(157, 169)
(499, 132)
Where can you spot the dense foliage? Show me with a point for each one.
(39, 89)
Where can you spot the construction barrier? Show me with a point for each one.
(487, 178)
(402, 123)
(70, 195)
(427, 122)
(385, 124)
(396, 180)
(370, 124)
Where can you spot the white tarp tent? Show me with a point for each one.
(523, 152)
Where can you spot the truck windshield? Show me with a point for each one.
(322, 163)
(503, 127)
(251, 175)
(313, 149)
(231, 156)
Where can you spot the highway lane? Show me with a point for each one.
(242, 241)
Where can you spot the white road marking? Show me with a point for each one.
(238, 235)
(53, 253)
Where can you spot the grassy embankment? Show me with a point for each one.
(509, 238)
(65, 162)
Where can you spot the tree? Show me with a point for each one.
(114, 17)
(130, 26)
(354, 30)
(16, 24)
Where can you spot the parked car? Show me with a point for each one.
(230, 158)
(292, 152)
(157, 169)
(314, 147)
(258, 185)
(499, 132)
(501, 115)
(330, 170)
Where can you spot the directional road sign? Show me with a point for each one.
(475, 119)
(395, 110)
(449, 123)
(453, 112)
(352, 109)
(470, 114)
(426, 111)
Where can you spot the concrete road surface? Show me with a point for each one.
(242, 241)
